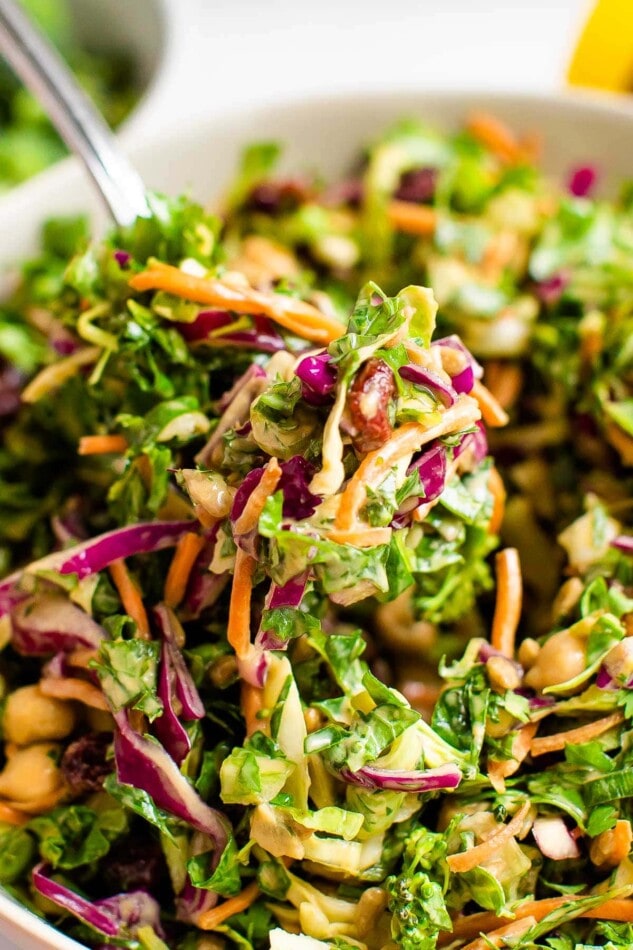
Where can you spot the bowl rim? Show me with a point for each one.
(619, 106)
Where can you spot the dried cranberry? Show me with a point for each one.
(11, 382)
(84, 764)
(417, 185)
(135, 861)
(278, 197)
(368, 405)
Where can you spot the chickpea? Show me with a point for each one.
(528, 652)
(561, 658)
(31, 773)
(29, 716)
(502, 673)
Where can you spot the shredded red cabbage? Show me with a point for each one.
(582, 181)
(186, 691)
(554, 839)
(430, 380)
(299, 502)
(123, 259)
(143, 763)
(119, 916)
(52, 624)
(318, 378)
(476, 441)
(263, 336)
(414, 780)
(194, 901)
(168, 727)
(550, 291)
(624, 543)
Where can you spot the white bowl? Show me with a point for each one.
(323, 134)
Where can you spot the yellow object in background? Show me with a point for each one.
(603, 58)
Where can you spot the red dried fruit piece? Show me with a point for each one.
(368, 406)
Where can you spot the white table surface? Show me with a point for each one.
(226, 53)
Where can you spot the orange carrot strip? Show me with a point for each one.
(253, 508)
(187, 550)
(619, 908)
(234, 905)
(251, 702)
(575, 736)
(406, 440)
(611, 847)
(465, 928)
(474, 857)
(509, 601)
(504, 380)
(500, 769)
(82, 656)
(492, 413)
(412, 218)
(11, 816)
(498, 937)
(130, 597)
(361, 537)
(102, 444)
(495, 135)
(238, 631)
(498, 490)
(295, 315)
(70, 688)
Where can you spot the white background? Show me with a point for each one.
(226, 53)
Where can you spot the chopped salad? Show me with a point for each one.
(318, 583)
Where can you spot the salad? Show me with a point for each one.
(318, 583)
(29, 143)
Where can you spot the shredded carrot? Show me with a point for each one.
(238, 631)
(251, 702)
(474, 857)
(187, 550)
(620, 441)
(496, 136)
(422, 696)
(497, 938)
(611, 847)
(465, 928)
(294, 315)
(575, 736)
(361, 537)
(412, 218)
(498, 490)
(406, 440)
(509, 601)
(70, 688)
(234, 905)
(11, 816)
(130, 597)
(492, 413)
(102, 444)
(253, 508)
(501, 769)
(82, 657)
(504, 380)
